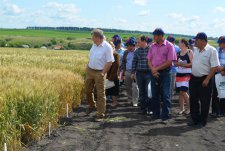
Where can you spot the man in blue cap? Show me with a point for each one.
(204, 65)
(117, 41)
(171, 39)
(149, 40)
(218, 104)
(160, 57)
(127, 67)
(191, 44)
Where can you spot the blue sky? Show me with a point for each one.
(174, 16)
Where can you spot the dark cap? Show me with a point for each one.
(158, 31)
(221, 40)
(149, 39)
(170, 38)
(191, 42)
(116, 40)
(131, 41)
(201, 36)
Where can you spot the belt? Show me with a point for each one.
(202, 77)
(94, 69)
(164, 70)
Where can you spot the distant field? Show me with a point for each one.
(80, 40)
(54, 34)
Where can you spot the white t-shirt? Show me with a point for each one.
(100, 55)
(203, 61)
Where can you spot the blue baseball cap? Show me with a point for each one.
(116, 40)
(201, 35)
(158, 31)
(131, 41)
(191, 42)
(221, 40)
(149, 39)
(170, 38)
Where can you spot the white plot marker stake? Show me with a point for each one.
(67, 110)
(5, 147)
(49, 128)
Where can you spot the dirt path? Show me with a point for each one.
(126, 129)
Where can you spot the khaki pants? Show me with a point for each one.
(128, 83)
(94, 78)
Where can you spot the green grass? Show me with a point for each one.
(40, 37)
(53, 34)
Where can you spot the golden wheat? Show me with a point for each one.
(35, 87)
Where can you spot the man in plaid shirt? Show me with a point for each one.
(143, 73)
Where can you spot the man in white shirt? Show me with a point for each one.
(100, 61)
(204, 65)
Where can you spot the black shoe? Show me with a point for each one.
(154, 117)
(191, 123)
(89, 110)
(144, 112)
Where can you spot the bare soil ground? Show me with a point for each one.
(125, 129)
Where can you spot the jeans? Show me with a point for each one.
(143, 79)
(161, 92)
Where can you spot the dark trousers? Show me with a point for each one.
(199, 99)
(218, 105)
(143, 79)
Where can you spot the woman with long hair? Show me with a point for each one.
(184, 63)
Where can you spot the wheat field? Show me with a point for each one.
(35, 87)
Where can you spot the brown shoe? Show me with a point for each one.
(99, 119)
(90, 109)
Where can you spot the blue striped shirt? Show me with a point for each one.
(221, 54)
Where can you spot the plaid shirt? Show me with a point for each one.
(221, 54)
(140, 61)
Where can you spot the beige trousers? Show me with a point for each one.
(94, 78)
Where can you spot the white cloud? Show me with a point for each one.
(144, 13)
(191, 19)
(220, 9)
(120, 21)
(12, 9)
(62, 11)
(175, 15)
(183, 19)
(140, 2)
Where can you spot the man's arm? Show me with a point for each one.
(106, 68)
(210, 75)
(164, 65)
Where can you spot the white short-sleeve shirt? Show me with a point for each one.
(203, 61)
(100, 55)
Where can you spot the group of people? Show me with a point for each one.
(189, 68)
